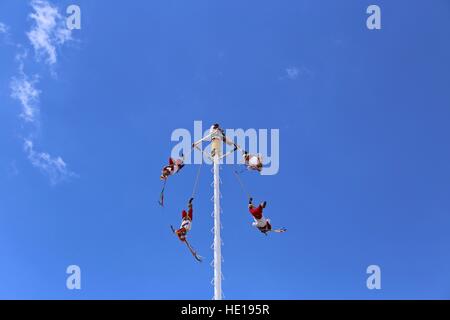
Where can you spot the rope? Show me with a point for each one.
(236, 174)
(194, 190)
(161, 196)
(188, 153)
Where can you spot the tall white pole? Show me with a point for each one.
(217, 240)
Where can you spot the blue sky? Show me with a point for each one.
(364, 148)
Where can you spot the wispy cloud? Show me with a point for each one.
(54, 167)
(3, 28)
(24, 89)
(48, 32)
(293, 73)
(4, 34)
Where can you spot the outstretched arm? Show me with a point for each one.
(201, 140)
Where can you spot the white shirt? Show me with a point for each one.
(215, 133)
(260, 223)
(253, 161)
(186, 223)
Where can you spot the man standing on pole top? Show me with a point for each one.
(217, 136)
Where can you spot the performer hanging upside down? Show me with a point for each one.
(186, 221)
(173, 167)
(262, 223)
(253, 161)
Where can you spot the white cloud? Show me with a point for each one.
(54, 167)
(292, 73)
(3, 28)
(47, 34)
(49, 30)
(24, 89)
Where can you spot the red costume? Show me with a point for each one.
(186, 220)
(173, 167)
(257, 212)
(187, 215)
(261, 222)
